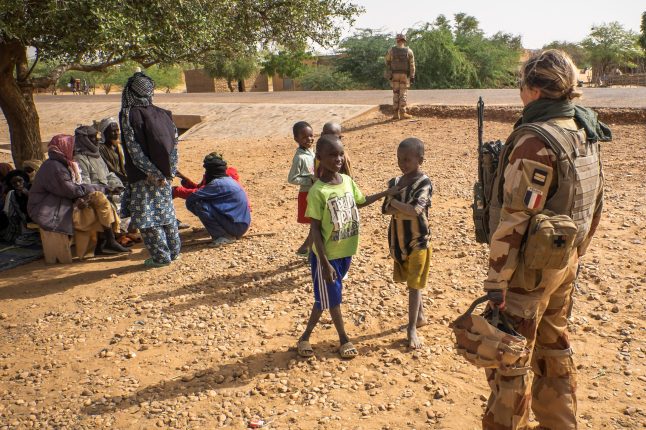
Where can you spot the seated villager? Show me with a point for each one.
(60, 202)
(14, 225)
(86, 153)
(111, 149)
(30, 167)
(5, 168)
(221, 205)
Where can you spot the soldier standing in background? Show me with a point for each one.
(400, 71)
(546, 205)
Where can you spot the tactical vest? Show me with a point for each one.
(578, 175)
(399, 60)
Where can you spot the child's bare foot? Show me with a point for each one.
(413, 341)
(421, 322)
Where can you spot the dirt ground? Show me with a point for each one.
(209, 341)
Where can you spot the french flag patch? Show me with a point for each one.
(533, 198)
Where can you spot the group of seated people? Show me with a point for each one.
(79, 190)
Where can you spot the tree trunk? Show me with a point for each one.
(230, 85)
(17, 103)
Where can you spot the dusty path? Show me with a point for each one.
(634, 97)
(208, 342)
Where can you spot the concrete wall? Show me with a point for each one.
(198, 81)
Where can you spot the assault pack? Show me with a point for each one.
(488, 157)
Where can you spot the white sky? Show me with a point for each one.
(538, 23)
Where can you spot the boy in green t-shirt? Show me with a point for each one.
(332, 205)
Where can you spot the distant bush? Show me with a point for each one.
(327, 79)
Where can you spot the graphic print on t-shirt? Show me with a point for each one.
(344, 216)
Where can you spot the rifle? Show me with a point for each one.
(488, 154)
(479, 201)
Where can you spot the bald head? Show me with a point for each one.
(413, 144)
(331, 128)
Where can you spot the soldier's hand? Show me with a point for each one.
(412, 80)
(497, 298)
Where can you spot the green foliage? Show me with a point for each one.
(575, 50)
(165, 77)
(610, 46)
(439, 61)
(289, 64)
(362, 57)
(219, 64)
(324, 78)
(95, 34)
(642, 37)
(446, 56)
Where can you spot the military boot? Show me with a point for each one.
(405, 115)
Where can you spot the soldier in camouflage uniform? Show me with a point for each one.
(532, 179)
(400, 70)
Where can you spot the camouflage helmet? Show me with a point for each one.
(488, 340)
(400, 36)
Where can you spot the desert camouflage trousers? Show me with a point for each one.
(537, 305)
(399, 83)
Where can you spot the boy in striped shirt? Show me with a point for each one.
(409, 234)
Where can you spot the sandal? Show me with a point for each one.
(149, 262)
(304, 348)
(347, 350)
(125, 241)
(135, 237)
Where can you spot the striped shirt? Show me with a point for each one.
(405, 234)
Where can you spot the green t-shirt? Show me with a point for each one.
(336, 207)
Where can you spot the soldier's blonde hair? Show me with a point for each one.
(553, 73)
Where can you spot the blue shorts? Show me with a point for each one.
(327, 296)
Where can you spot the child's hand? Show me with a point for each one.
(393, 191)
(329, 274)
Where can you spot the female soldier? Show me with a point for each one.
(550, 166)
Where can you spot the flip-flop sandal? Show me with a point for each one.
(304, 348)
(149, 262)
(303, 254)
(347, 350)
(134, 237)
(125, 241)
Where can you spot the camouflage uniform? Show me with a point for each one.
(537, 301)
(400, 68)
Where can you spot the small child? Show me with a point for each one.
(409, 235)
(334, 128)
(332, 205)
(302, 174)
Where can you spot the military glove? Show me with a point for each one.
(497, 298)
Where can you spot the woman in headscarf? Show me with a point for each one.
(150, 148)
(60, 202)
(222, 204)
(110, 148)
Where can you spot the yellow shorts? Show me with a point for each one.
(414, 271)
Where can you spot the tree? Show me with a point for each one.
(325, 78)
(362, 57)
(167, 77)
(93, 35)
(642, 38)
(439, 61)
(611, 46)
(286, 63)
(222, 65)
(577, 52)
